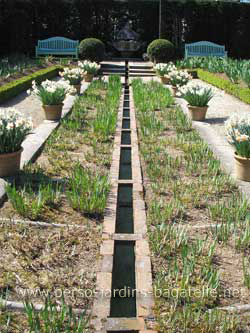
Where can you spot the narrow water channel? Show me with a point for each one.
(123, 301)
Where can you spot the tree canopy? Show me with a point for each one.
(23, 22)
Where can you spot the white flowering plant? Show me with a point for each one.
(73, 75)
(238, 134)
(52, 92)
(195, 94)
(13, 130)
(89, 67)
(164, 68)
(178, 78)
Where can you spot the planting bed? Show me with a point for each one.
(187, 262)
(67, 185)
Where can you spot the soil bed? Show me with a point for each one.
(192, 190)
(38, 263)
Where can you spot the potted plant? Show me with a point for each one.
(52, 95)
(178, 78)
(238, 135)
(197, 97)
(13, 130)
(74, 76)
(90, 69)
(162, 70)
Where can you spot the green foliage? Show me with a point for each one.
(13, 130)
(92, 49)
(104, 123)
(229, 87)
(16, 63)
(233, 73)
(88, 191)
(245, 75)
(148, 98)
(212, 64)
(54, 320)
(29, 203)
(160, 50)
(197, 95)
(14, 88)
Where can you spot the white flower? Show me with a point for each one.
(89, 67)
(12, 117)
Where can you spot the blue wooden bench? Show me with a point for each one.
(57, 46)
(204, 49)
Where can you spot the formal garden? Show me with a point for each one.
(124, 167)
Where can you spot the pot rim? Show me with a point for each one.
(12, 153)
(61, 104)
(194, 106)
(240, 157)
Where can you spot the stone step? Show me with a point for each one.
(113, 70)
(112, 73)
(140, 67)
(113, 67)
(142, 74)
(142, 71)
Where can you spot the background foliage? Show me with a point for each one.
(23, 22)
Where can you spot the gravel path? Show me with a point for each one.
(221, 107)
(28, 106)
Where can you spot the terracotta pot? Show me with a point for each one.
(174, 90)
(10, 163)
(242, 167)
(53, 112)
(88, 77)
(197, 113)
(193, 73)
(78, 88)
(164, 80)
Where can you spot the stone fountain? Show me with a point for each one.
(127, 41)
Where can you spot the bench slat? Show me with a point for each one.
(57, 45)
(204, 48)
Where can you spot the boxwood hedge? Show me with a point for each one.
(234, 89)
(14, 88)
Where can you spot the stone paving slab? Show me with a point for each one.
(124, 324)
(142, 64)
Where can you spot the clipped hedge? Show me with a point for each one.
(16, 87)
(160, 50)
(92, 49)
(242, 93)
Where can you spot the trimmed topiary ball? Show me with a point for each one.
(160, 50)
(92, 49)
